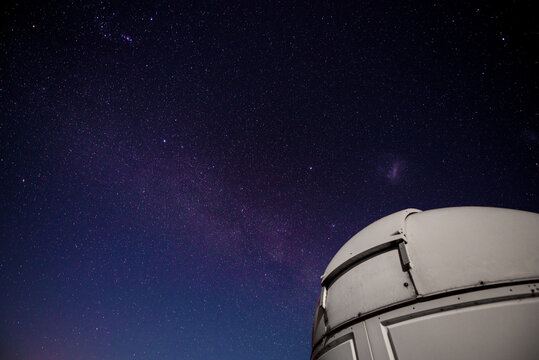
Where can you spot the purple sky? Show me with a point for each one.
(176, 177)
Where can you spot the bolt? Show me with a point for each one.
(405, 284)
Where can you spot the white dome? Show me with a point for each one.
(415, 254)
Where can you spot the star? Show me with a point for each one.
(166, 149)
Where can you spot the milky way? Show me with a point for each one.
(175, 178)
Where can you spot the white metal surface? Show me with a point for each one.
(499, 300)
(351, 293)
(319, 326)
(469, 246)
(406, 268)
(377, 233)
(497, 312)
(344, 351)
(497, 331)
(361, 342)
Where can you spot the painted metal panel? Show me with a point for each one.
(377, 233)
(319, 327)
(445, 249)
(363, 348)
(377, 327)
(378, 280)
(468, 246)
(505, 330)
(357, 332)
(344, 351)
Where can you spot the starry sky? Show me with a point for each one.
(175, 177)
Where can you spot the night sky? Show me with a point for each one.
(176, 177)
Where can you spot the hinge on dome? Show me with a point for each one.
(403, 254)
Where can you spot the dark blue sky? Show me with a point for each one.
(176, 177)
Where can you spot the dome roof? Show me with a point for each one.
(378, 234)
(431, 252)
(416, 255)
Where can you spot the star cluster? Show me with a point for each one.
(176, 177)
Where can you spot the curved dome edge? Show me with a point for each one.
(377, 233)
